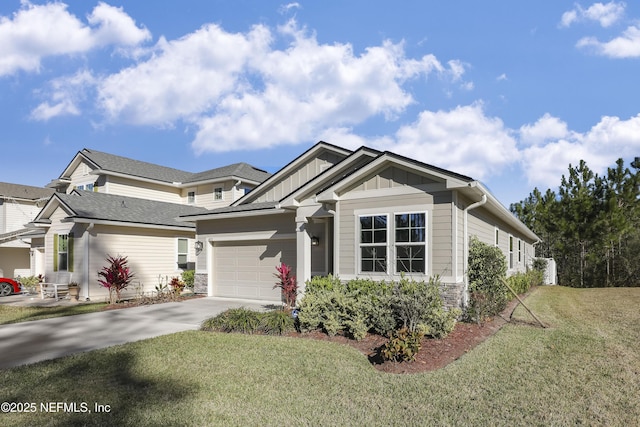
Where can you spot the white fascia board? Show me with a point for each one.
(215, 180)
(134, 177)
(293, 199)
(129, 224)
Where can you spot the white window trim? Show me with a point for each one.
(194, 196)
(390, 213)
(359, 244)
(215, 198)
(510, 252)
(178, 253)
(496, 237)
(425, 243)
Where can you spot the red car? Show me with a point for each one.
(8, 287)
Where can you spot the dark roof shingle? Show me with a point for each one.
(27, 192)
(110, 207)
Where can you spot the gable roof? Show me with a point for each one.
(111, 164)
(310, 153)
(24, 192)
(238, 170)
(89, 206)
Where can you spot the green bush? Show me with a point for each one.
(276, 322)
(486, 270)
(363, 305)
(234, 320)
(403, 346)
(419, 306)
(189, 277)
(522, 282)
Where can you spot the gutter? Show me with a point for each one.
(87, 252)
(465, 258)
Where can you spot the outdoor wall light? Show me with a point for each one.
(315, 241)
(199, 246)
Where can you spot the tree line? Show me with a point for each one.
(591, 226)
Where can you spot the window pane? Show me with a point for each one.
(402, 235)
(417, 220)
(62, 242)
(367, 265)
(380, 222)
(366, 237)
(366, 222)
(182, 246)
(402, 221)
(373, 259)
(380, 236)
(62, 261)
(417, 235)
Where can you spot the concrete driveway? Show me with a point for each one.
(29, 342)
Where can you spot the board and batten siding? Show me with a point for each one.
(300, 176)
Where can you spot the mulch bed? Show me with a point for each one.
(434, 354)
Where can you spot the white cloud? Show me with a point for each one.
(65, 95)
(548, 159)
(625, 46)
(502, 77)
(289, 6)
(38, 31)
(605, 14)
(463, 140)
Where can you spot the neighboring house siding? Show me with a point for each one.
(12, 259)
(143, 190)
(151, 254)
(15, 214)
(299, 176)
(205, 194)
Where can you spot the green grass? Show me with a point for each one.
(583, 370)
(11, 314)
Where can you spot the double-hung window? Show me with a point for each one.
(410, 234)
(183, 253)
(63, 252)
(373, 244)
(217, 193)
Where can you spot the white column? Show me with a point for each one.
(303, 254)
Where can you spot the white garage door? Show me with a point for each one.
(246, 269)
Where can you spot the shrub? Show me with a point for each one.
(287, 283)
(188, 277)
(403, 346)
(176, 285)
(419, 306)
(116, 276)
(487, 268)
(30, 283)
(234, 320)
(276, 322)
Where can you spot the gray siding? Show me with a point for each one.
(299, 176)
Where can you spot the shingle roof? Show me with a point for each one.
(110, 207)
(113, 163)
(24, 191)
(240, 170)
(119, 164)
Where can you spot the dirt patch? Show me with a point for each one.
(434, 354)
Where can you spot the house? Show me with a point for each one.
(361, 213)
(111, 205)
(19, 205)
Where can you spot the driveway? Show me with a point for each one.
(29, 342)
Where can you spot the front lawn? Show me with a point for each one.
(13, 314)
(584, 369)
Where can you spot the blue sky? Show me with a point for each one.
(507, 92)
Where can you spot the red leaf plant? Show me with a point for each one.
(116, 276)
(287, 283)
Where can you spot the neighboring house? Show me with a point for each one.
(112, 205)
(19, 205)
(360, 213)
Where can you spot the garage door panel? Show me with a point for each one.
(246, 269)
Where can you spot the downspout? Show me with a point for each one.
(465, 258)
(87, 251)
